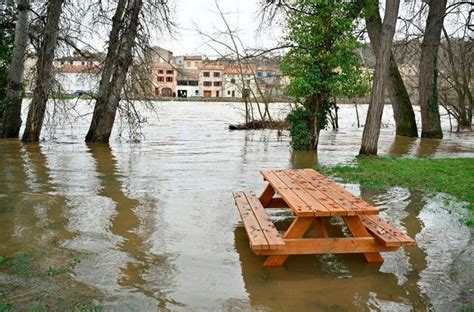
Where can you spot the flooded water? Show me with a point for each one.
(152, 226)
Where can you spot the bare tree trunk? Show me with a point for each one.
(403, 114)
(10, 126)
(112, 50)
(44, 72)
(371, 132)
(112, 82)
(357, 114)
(428, 85)
(459, 79)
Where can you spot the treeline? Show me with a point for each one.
(48, 25)
(322, 39)
(322, 64)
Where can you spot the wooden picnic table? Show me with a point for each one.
(313, 199)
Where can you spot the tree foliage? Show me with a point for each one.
(7, 36)
(322, 62)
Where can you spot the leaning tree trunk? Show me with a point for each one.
(44, 72)
(371, 132)
(404, 116)
(428, 84)
(106, 107)
(11, 122)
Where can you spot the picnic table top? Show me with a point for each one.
(310, 194)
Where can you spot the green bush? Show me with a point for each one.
(300, 135)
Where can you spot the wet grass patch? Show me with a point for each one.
(42, 280)
(452, 176)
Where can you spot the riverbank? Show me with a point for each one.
(448, 175)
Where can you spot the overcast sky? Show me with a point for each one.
(192, 16)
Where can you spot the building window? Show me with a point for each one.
(160, 78)
(188, 64)
(182, 82)
(160, 71)
(228, 92)
(232, 80)
(217, 74)
(206, 74)
(169, 79)
(217, 83)
(193, 83)
(207, 84)
(217, 94)
(169, 72)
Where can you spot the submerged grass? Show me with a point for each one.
(454, 176)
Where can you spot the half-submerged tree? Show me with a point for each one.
(428, 73)
(119, 58)
(457, 68)
(321, 64)
(405, 123)
(44, 72)
(370, 136)
(11, 120)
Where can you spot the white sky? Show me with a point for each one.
(192, 16)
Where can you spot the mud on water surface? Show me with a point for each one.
(152, 226)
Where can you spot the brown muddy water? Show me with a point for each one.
(152, 226)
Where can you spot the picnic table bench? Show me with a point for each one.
(313, 199)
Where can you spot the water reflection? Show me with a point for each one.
(303, 159)
(401, 146)
(427, 147)
(125, 222)
(317, 283)
(32, 212)
(134, 232)
(401, 207)
(12, 189)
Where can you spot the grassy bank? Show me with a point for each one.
(454, 176)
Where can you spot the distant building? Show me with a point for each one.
(187, 83)
(192, 61)
(210, 80)
(232, 82)
(79, 73)
(164, 79)
(163, 71)
(160, 55)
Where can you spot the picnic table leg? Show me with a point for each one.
(321, 227)
(358, 230)
(297, 229)
(267, 195)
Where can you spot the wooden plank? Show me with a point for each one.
(267, 195)
(256, 236)
(296, 230)
(298, 206)
(386, 233)
(275, 241)
(332, 207)
(301, 192)
(358, 230)
(338, 192)
(308, 246)
(325, 188)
